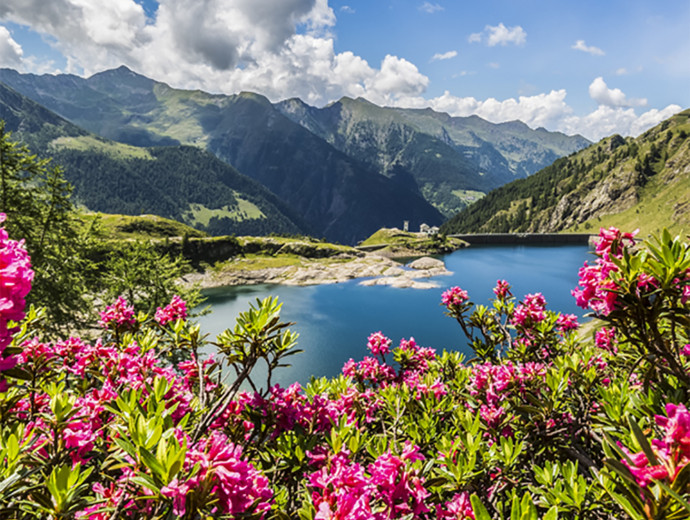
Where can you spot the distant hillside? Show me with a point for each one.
(453, 160)
(641, 182)
(348, 169)
(181, 182)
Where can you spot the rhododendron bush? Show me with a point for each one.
(545, 421)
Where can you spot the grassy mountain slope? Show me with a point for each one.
(451, 159)
(179, 182)
(641, 182)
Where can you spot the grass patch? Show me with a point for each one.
(468, 196)
(143, 227)
(86, 143)
(396, 240)
(198, 214)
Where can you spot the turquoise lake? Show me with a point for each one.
(334, 321)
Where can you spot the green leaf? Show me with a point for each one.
(684, 503)
(480, 512)
(150, 462)
(643, 442)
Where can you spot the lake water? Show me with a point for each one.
(334, 321)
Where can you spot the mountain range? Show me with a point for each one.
(631, 183)
(341, 171)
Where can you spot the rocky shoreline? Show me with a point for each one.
(372, 268)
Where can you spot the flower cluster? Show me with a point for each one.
(175, 310)
(220, 471)
(16, 276)
(455, 299)
(378, 344)
(388, 489)
(596, 289)
(530, 311)
(118, 316)
(672, 451)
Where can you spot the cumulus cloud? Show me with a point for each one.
(581, 46)
(11, 52)
(193, 36)
(602, 94)
(430, 8)
(444, 56)
(500, 35)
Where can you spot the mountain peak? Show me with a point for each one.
(120, 73)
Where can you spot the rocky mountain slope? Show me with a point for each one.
(641, 182)
(453, 160)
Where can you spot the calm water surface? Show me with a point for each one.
(334, 321)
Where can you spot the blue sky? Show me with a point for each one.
(588, 67)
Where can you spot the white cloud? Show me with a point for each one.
(444, 56)
(621, 71)
(430, 8)
(599, 92)
(493, 65)
(347, 9)
(605, 121)
(397, 79)
(581, 46)
(186, 37)
(11, 52)
(500, 35)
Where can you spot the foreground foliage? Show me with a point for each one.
(139, 424)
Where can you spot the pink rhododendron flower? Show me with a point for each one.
(378, 344)
(458, 508)
(672, 451)
(119, 315)
(686, 294)
(530, 311)
(175, 310)
(595, 289)
(605, 339)
(235, 483)
(608, 238)
(566, 322)
(502, 289)
(16, 276)
(454, 297)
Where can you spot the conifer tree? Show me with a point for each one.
(35, 197)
